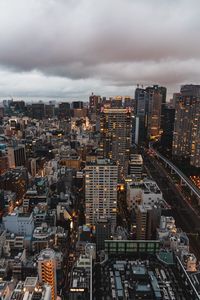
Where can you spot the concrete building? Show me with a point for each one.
(103, 232)
(144, 192)
(19, 223)
(31, 289)
(43, 237)
(147, 220)
(80, 279)
(136, 165)
(47, 270)
(101, 191)
(16, 156)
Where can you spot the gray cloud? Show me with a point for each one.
(106, 45)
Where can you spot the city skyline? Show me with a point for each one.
(65, 49)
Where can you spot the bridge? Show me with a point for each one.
(193, 188)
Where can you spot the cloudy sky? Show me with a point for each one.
(70, 48)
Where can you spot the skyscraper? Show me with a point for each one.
(149, 103)
(47, 270)
(154, 111)
(186, 137)
(115, 127)
(101, 179)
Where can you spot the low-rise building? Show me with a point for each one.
(19, 223)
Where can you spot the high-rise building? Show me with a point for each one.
(115, 128)
(149, 103)
(101, 179)
(154, 111)
(47, 270)
(186, 137)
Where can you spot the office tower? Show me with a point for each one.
(154, 111)
(186, 138)
(16, 156)
(115, 129)
(101, 179)
(47, 270)
(149, 103)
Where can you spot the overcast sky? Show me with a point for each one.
(70, 48)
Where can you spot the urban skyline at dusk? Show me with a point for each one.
(99, 150)
(67, 49)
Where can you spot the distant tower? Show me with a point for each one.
(47, 270)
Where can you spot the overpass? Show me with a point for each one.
(193, 188)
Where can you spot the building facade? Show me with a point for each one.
(47, 270)
(101, 191)
(186, 137)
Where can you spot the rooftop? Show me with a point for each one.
(138, 279)
(46, 254)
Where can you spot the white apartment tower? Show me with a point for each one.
(101, 179)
